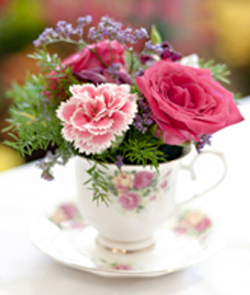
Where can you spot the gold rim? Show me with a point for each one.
(122, 251)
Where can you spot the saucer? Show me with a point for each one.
(186, 239)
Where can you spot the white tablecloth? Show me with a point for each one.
(26, 271)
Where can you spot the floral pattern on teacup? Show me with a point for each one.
(67, 216)
(193, 223)
(134, 190)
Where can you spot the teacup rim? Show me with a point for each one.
(186, 151)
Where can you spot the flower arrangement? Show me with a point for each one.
(114, 104)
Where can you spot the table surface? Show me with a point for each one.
(24, 270)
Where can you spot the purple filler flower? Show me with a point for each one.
(204, 139)
(119, 161)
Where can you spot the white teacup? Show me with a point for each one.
(141, 200)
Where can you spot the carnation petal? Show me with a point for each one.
(79, 119)
(66, 111)
(83, 135)
(129, 109)
(101, 124)
(102, 140)
(83, 91)
(119, 123)
(68, 132)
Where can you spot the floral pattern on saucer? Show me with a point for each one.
(186, 239)
(115, 265)
(192, 223)
(67, 216)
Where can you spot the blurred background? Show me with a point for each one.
(217, 29)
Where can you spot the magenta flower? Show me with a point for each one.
(129, 200)
(94, 115)
(143, 179)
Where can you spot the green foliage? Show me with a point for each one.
(19, 25)
(218, 71)
(32, 114)
(99, 184)
(142, 152)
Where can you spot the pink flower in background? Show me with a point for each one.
(129, 200)
(143, 179)
(94, 115)
(186, 102)
(87, 60)
(85, 64)
(122, 267)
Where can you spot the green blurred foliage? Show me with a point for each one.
(20, 24)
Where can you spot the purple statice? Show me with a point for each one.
(119, 161)
(139, 73)
(47, 36)
(155, 48)
(140, 34)
(204, 139)
(121, 77)
(138, 123)
(144, 118)
(48, 162)
(109, 28)
(164, 50)
(63, 32)
(95, 35)
(84, 20)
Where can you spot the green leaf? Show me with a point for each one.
(155, 36)
(218, 71)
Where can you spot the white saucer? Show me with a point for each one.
(189, 238)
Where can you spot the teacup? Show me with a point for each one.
(141, 200)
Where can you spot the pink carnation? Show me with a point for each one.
(94, 115)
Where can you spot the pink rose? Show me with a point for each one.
(129, 200)
(143, 179)
(186, 102)
(87, 60)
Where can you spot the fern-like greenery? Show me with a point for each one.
(220, 72)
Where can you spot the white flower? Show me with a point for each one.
(191, 61)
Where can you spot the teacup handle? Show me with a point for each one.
(190, 168)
